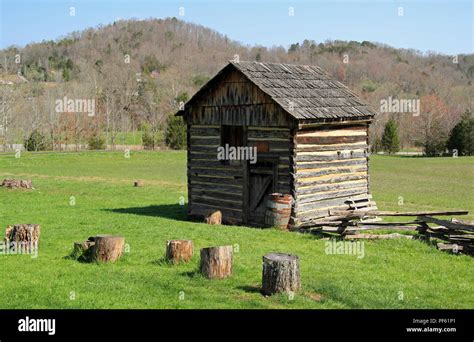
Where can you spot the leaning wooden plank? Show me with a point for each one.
(446, 223)
(418, 213)
(378, 236)
(398, 213)
(390, 223)
(455, 220)
(388, 227)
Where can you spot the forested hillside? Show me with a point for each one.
(139, 71)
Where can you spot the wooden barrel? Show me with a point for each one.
(278, 211)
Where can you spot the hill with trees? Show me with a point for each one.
(138, 71)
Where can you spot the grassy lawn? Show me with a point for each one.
(106, 202)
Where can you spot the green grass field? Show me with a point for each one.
(392, 273)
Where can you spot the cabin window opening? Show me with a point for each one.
(232, 136)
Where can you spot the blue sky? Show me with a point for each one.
(439, 25)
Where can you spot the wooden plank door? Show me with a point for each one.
(262, 181)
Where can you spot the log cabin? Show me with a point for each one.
(310, 133)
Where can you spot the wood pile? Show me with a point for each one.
(452, 235)
(17, 184)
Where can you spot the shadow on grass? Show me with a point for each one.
(251, 289)
(160, 262)
(192, 274)
(169, 211)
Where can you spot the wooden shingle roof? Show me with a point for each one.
(305, 91)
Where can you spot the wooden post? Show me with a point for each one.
(179, 250)
(216, 262)
(281, 273)
(107, 248)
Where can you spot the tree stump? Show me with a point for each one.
(281, 273)
(137, 183)
(24, 235)
(107, 248)
(17, 183)
(83, 249)
(216, 262)
(179, 250)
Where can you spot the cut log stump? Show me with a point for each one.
(83, 249)
(25, 235)
(17, 184)
(216, 262)
(179, 251)
(281, 274)
(107, 248)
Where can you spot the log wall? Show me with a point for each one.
(233, 100)
(331, 166)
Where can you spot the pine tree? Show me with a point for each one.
(390, 140)
(461, 137)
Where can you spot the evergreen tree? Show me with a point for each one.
(390, 140)
(461, 137)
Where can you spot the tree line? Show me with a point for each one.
(138, 72)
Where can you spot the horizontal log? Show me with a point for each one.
(398, 213)
(231, 172)
(309, 173)
(217, 187)
(334, 147)
(326, 157)
(328, 125)
(211, 149)
(446, 223)
(205, 141)
(278, 134)
(327, 203)
(205, 163)
(335, 186)
(334, 132)
(204, 131)
(235, 196)
(329, 179)
(228, 180)
(217, 202)
(334, 163)
(378, 236)
(331, 140)
(330, 195)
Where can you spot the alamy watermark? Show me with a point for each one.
(66, 105)
(392, 105)
(14, 248)
(237, 153)
(333, 247)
